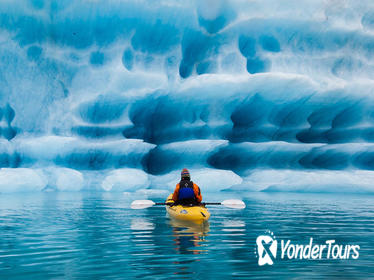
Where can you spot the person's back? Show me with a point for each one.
(186, 192)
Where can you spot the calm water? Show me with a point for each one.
(96, 236)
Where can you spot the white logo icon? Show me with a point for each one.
(266, 249)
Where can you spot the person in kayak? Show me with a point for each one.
(187, 192)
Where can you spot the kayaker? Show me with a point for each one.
(187, 192)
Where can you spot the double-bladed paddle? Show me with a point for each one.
(230, 203)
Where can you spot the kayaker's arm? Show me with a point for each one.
(176, 192)
(197, 192)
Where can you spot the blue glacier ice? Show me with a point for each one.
(250, 95)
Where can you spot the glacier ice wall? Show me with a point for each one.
(266, 95)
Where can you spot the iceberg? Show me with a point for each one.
(125, 179)
(208, 179)
(120, 95)
(21, 180)
(69, 180)
(357, 181)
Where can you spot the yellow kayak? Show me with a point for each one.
(187, 213)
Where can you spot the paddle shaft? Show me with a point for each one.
(212, 203)
(164, 203)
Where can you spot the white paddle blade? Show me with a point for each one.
(233, 203)
(141, 204)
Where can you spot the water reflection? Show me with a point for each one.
(58, 236)
(188, 236)
(143, 236)
(233, 233)
(142, 224)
